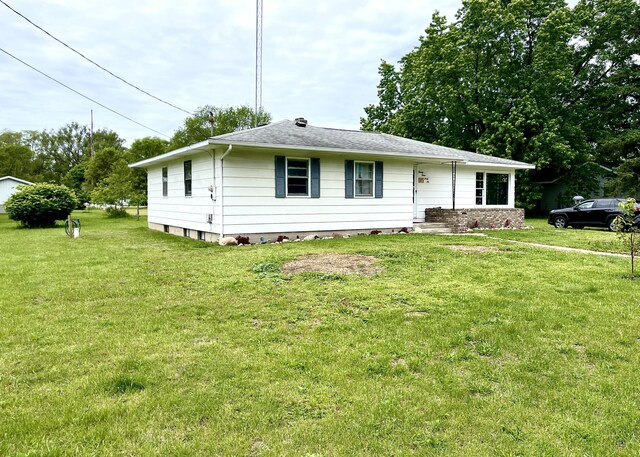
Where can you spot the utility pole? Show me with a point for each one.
(258, 104)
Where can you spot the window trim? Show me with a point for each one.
(188, 193)
(286, 177)
(481, 189)
(484, 189)
(373, 179)
(165, 181)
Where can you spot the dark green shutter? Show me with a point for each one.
(281, 177)
(315, 178)
(348, 178)
(379, 179)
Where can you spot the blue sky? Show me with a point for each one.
(320, 59)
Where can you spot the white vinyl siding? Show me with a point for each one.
(251, 205)
(176, 209)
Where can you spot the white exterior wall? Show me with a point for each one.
(176, 209)
(252, 207)
(436, 189)
(7, 188)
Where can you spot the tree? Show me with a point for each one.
(75, 180)
(520, 80)
(627, 229)
(627, 179)
(198, 127)
(116, 190)
(141, 149)
(16, 160)
(100, 166)
(40, 205)
(66, 147)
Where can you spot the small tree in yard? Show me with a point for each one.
(40, 205)
(627, 230)
(116, 190)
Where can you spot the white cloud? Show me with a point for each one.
(320, 59)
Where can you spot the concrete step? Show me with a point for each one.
(431, 227)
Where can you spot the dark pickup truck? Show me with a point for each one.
(599, 212)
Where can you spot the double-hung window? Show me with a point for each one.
(187, 178)
(364, 179)
(165, 181)
(298, 177)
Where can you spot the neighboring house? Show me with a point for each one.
(587, 180)
(293, 178)
(8, 186)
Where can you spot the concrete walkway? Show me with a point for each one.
(559, 248)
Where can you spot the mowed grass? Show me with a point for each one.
(133, 342)
(591, 238)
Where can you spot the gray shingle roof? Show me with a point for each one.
(287, 133)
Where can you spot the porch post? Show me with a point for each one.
(454, 172)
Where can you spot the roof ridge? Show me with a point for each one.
(260, 127)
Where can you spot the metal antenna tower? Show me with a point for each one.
(258, 105)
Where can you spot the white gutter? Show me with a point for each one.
(225, 154)
(518, 166)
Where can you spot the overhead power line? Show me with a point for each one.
(95, 63)
(82, 95)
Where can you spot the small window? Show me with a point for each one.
(298, 177)
(165, 181)
(200, 235)
(166, 229)
(479, 188)
(187, 178)
(363, 179)
(186, 233)
(497, 189)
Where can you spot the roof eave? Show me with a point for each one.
(16, 179)
(517, 166)
(197, 147)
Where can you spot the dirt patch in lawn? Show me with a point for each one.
(468, 248)
(345, 264)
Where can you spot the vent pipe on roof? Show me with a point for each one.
(300, 122)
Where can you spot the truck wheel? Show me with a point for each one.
(560, 222)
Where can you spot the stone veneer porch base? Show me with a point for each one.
(460, 220)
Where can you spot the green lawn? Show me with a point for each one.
(594, 239)
(133, 342)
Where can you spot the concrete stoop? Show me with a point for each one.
(431, 227)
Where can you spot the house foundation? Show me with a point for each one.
(460, 220)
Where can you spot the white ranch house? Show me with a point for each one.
(290, 178)
(8, 185)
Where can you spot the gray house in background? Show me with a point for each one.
(8, 185)
(588, 180)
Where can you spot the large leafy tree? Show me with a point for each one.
(141, 149)
(197, 128)
(530, 80)
(70, 145)
(100, 166)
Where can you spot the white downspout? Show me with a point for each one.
(226, 153)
